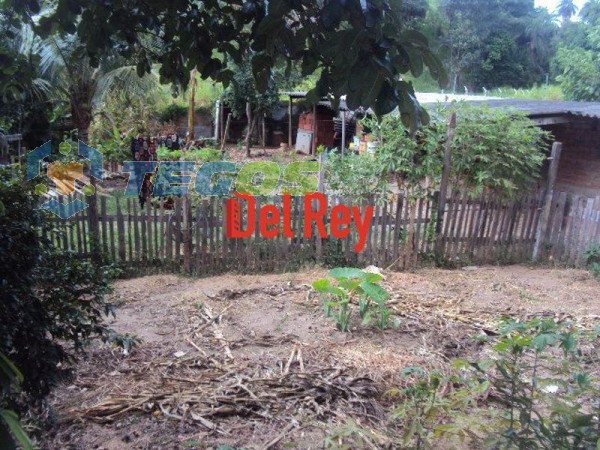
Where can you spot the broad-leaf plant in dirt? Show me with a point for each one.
(354, 289)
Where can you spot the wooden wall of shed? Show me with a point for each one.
(324, 129)
(579, 169)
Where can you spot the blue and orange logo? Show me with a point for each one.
(64, 176)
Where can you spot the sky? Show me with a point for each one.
(552, 4)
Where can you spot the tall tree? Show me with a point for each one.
(462, 46)
(590, 12)
(579, 60)
(24, 94)
(495, 47)
(542, 31)
(566, 10)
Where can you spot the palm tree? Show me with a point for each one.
(590, 12)
(66, 66)
(23, 91)
(541, 31)
(567, 9)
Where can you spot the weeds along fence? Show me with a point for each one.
(190, 237)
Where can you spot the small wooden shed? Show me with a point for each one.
(327, 124)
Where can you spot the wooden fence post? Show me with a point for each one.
(290, 125)
(186, 232)
(96, 251)
(441, 207)
(542, 225)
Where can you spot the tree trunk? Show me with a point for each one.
(191, 108)
(455, 83)
(263, 133)
(82, 120)
(249, 132)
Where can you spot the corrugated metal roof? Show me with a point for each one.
(534, 108)
(539, 108)
(324, 101)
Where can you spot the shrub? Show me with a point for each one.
(115, 148)
(495, 150)
(25, 321)
(357, 175)
(45, 295)
(533, 392)
(172, 113)
(193, 154)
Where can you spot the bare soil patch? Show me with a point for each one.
(252, 362)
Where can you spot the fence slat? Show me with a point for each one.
(121, 232)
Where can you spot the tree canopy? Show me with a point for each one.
(492, 43)
(360, 47)
(578, 56)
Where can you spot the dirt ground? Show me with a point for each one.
(252, 362)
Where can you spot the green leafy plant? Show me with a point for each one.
(533, 392)
(354, 286)
(193, 154)
(578, 62)
(592, 257)
(172, 112)
(539, 377)
(11, 430)
(357, 175)
(48, 298)
(74, 296)
(116, 147)
(433, 407)
(496, 150)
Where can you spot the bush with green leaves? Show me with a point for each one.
(492, 150)
(172, 112)
(354, 289)
(427, 411)
(410, 158)
(540, 377)
(577, 59)
(535, 391)
(51, 302)
(357, 175)
(497, 150)
(24, 336)
(193, 154)
(115, 148)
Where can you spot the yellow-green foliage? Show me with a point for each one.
(549, 92)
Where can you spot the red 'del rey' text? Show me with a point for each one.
(274, 221)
